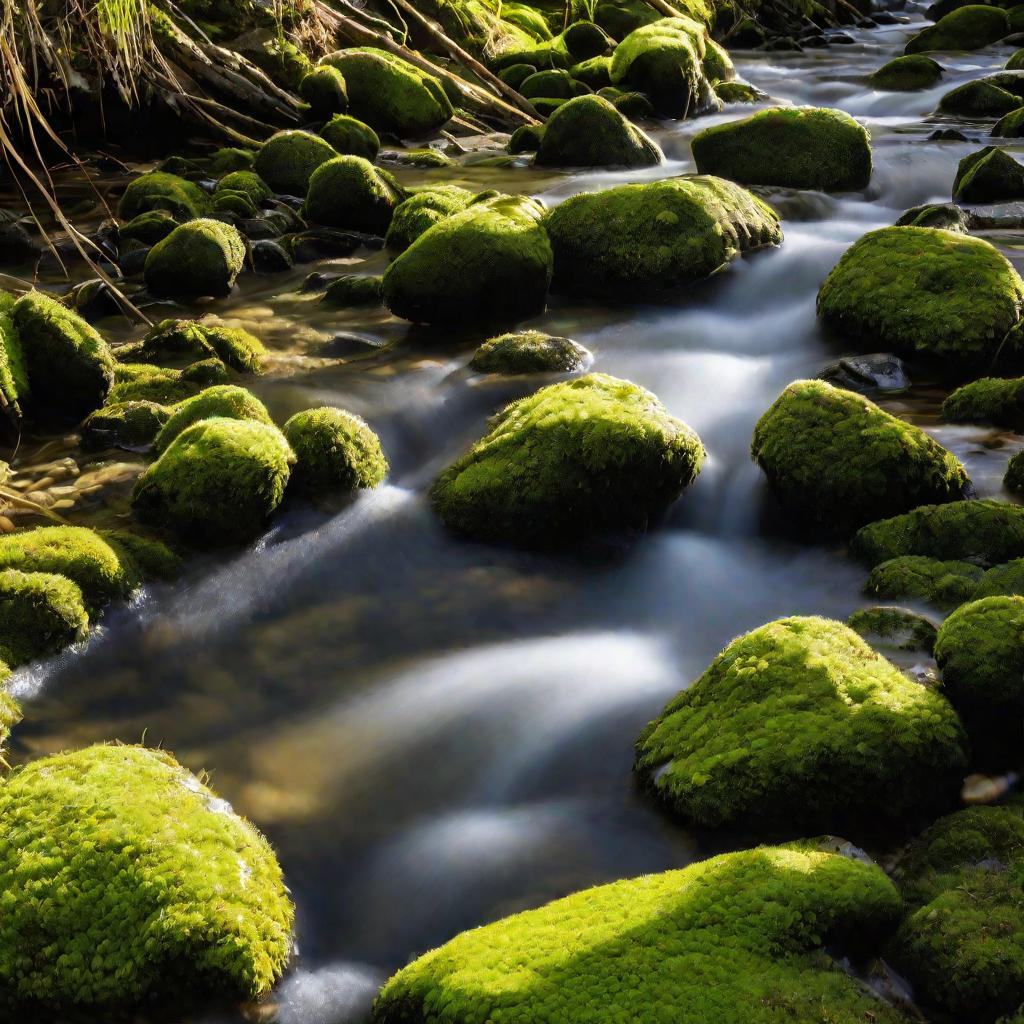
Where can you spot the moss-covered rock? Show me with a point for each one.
(552, 83)
(794, 147)
(231, 158)
(223, 400)
(967, 28)
(41, 613)
(69, 364)
(889, 628)
(140, 382)
(15, 391)
(148, 228)
(1002, 580)
(158, 190)
(906, 74)
(589, 132)
(979, 99)
(988, 176)
(236, 203)
(219, 481)
(1010, 126)
(349, 192)
(422, 210)
(334, 451)
(173, 341)
(1013, 478)
(944, 584)
(799, 724)
(836, 460)
(529, 352)
(143, 558)
(247, 182)
(642, 241)
(354, 290)
(515, 74)
(738, 92)
(526, 139)
(391, 94)
(984, 532)
(351, 137)
(989, 400)
(202, 257)
(287, 160)
(595, 72)
(925, 290)
(572, 460)
(734, 939)
(130, 425)
(492, 263)
(154, 889)
(324, 90)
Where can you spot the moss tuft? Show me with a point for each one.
(589, 132)
(288, 159)
(140, 382)
(334, 451)
(158, 190)
(202, 257)
(967, 28)
(906, 74)
(351, 137)
(41, 613)
(14, 386)
(529, 352)
(224, 400)
(231, 158)
(172, 341)
(943, 584)
(349, 192)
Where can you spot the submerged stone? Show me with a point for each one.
(350, 136)
(288, 159)
(944, 584)
(589, 132)
(334, 451)
(967, 28)
(991, 175)
(41, 613)
(349, 192)
(224, 400)
(907, 74)
(890, 628)
(529, 352)
(202, 257)
(354, 290)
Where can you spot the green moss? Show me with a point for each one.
(1010, 126)
(943, 584)
(202, 257)
(14, 386)
(515, 74)
(283, 61)
(552, 83)
(834, 459)
(529, 352)
(144, 558)
(350, 136)
(219, 481)
(231, 158)
(800, 725)
(353, 290)
(148, 228)
(224, 400)
(526, 139)
(139, 382)
(986, 532)
(158, 190)
(422, 210)
(172, 341)
(247, 182)
(595, 72)
(736, 939)
(574, 459)
(925, 290)
(1013, 479)
(349, 192)
(989, 400)
(642, 241)
(422, 157)
(984, 97)
(10, 709)
(153, 889)
(334, 451)
(793, 147)
(391, 94)
(988, 176)
(41, 613)
(69, 364)
(589, 132)
(324, 90)
(890, 628)
(967, 28)
(738, 92)
(906, 74)
(490, 263)
(1000, 580)
(288, 159)
(237, 203)
(131, 425)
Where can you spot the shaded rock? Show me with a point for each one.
(349, 192)
(202, 257)
(160, 191)
(937, 215)
(943, 584)
(889, 628)
(41, 613)
(878, 371)
(967, 28)
(268, 257)
(324, 90)
(288, 159)
(907, 74)
(589, 132)
(354, 290)
(988, 176)
(350, 136)
(989, 400)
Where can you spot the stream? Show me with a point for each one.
(434, 733)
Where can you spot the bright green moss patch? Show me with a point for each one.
(349, 192)
(248, 182)
(334, 451)
(989, 400)
(130, 425)
(967, 28)
(924, 290)
(176, 341)
(838, 461)
(219, 481)
(1005, 579)
(529, 352)
(288, 159)
(642, 241)
(348, 135)
(737, 939)
(891, 628)
(158, 190)
(988, 176)
(422, 210)
(14, 386)
(572, 460)
(801, 725)
(144, 887)
(595, 72)
(589, 132)
(224, 400)
(325, 92)
(906, 74)
(943, 584)
(41, 613)
(140, 382)
(202, 257)
(795, 147)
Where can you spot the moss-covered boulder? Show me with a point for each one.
(184, 341)
(148, 228)
(1002, 580)
(799, 724)
(967, 28)
(69, 364)
(154, 889)
(741, 937)
(836, 460)
(223, 400)
(979, 99)
(1009, 126)
(906, 74)
(391, 94)
(351, 137)
(140, 382)
(41, 613)
(645, 241)
(1013, 478)
(158, 190)
(492, 263)
(288, 159)
(984, 532)
(594, 72)
(574, 459)
(989, 400)
(15, 392)
(231, 158)
(944, 584)
(962, 943)
(589, 132)
(552, 83)
(989, 176)
(422, 210)
(349, 192)
(793, 147)
(129, 425)
(248, 183)
(888, 628)
(334, 451)
(219, 481)
(325, 92)
(529, 352)
(202, 257)
(354, 290)
(925, 290)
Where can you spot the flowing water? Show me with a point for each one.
(434, 733)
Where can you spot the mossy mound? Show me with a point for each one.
(962, 945)
(287, 160)
(793, 147)
(925, 290)
(589, 132)
(219, 481)
(906, 74)
(552, 83)
(69, 364)
(967, 28)
(41, 613)
(1013, 478)
(14, 386)
(154, 889)
(575, 459)
(943, 584)
(801, 725)
(173, 341)
(642, 241)
(988, 176)
(595, 72)
(1009, 126)
(354, 290)
(391, 94)
(223, 400)
(140, 382)
(158, 190)
(734, 939)
(985, 532)
(231, 158)
(247, 182)
(349, 192)
(148, 228)
(202, 257)
(992, 96)
(515, 74)
(492, 263)
(422, 210)
(130, 425)
(525, 139)
(334, 451)
(351, 137)
(142, 557)
(836, 460)
(1002, 580)
(738, 92)
(889, 628)
(989, 400)
(325, 92)
(529, 352)
(236, 203)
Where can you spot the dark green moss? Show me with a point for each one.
(354, 290)
(174, 341)
(130, 425)
(988, 176)
(247, 182)
(349, 192)
(1013, 479)
(158, 190)
(144, 558)
(224, 400)
(738, 92)
(526, 139)
(334, 451)
(943, 584)
(231, 158)
(351, 137)
(967, 28)
(989, 400)
(888, 628)
(324, 90)
(906, 74)
(1010, 126)
(288, 159)
(981, 98)
(553, 84)
(41, 613)
(589, 132)
(529, 352)
(595, 72)
(140, 382)
(148, 228)
(1002, 580)
(202, 257)
(422, 210)
(515, 74)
